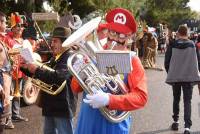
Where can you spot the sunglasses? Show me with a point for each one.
(116, 34)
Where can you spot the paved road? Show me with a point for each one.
(155, 118)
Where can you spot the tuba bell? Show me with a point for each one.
(82, 66)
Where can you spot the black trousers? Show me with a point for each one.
(187, 97)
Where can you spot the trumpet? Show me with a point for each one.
(52, 89)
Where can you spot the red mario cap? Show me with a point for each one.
(121, 20)
(102, 27)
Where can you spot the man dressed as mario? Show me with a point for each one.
(120, 26)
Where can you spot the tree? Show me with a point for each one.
(21, 6)
(105, 5)
(171, 12)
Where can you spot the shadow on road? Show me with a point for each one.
(156, 131)
(197, 132)
(166, 130)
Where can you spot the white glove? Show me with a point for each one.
(97, 100)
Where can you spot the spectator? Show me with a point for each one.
(182, 66)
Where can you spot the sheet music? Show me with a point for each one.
(27, 54)
(113, 60)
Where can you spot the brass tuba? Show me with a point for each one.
(81, 65)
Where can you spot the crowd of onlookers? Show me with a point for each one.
(11, 40)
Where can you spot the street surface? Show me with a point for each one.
(154, 118)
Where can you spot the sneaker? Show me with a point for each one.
(9, 125)
(175, 126)
(187, 131)
(19, 118)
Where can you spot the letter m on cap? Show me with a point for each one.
(120, 18)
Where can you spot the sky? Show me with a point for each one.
(195, 5)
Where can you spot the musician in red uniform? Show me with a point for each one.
(121, 26)
(15, 41)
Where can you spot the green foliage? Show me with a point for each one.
(60, 6)
(82, 7)
(28, 6)
(171, 12)
(47, 26)
(105, 5)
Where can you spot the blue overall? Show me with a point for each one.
(91, 121)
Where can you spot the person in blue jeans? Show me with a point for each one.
(58, 110)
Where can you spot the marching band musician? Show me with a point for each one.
(121, 25)
(59, 109)
(16, 41)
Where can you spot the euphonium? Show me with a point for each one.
(82, 66)
(91, 80)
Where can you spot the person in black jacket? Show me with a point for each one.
(58, 110)
(182, 66)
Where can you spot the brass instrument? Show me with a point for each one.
(81, 65)
(91, 80)
(48, 88)
(14, 53)
(17, 88)
(52, 89)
